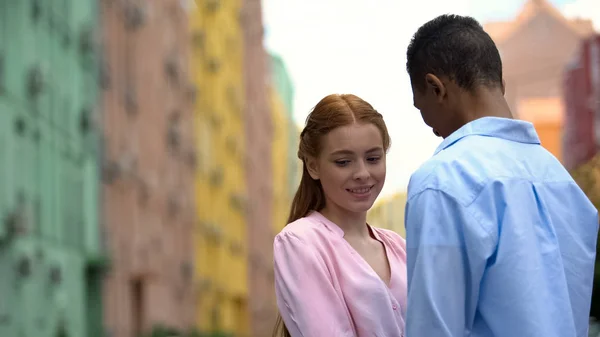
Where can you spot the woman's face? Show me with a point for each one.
(351, 166)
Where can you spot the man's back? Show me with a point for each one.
(513, 224)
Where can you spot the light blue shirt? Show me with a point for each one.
(501, 242)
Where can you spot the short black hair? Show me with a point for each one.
(456, 47)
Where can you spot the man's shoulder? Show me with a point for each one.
(464, 169)
(452, 175)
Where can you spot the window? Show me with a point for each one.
(204, 147)
(137, 305)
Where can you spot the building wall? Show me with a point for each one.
(221, 247)
(282, 81)
(281, 169)
(259, 135)
(285, 142)
(49, 240)
(148, 166)
(581, 95)
(294, 163)
(534, 75)
(388, 213)
(551, 135)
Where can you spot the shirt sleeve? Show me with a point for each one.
(447, 251)
(306, 297)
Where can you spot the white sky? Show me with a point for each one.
(359, 46)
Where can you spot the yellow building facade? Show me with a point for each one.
(388, 213)
(286, 165)
(281, 189)
(220, 236)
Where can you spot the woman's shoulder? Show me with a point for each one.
(309, 229)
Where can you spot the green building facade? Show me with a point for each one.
(284, 85)
(49, 238)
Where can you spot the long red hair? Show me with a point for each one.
(331, 112)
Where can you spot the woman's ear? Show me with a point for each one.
(312, 167)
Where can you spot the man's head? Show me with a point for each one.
(451, 58)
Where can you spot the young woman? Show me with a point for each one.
(334, 274)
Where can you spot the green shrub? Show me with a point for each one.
(164, 331)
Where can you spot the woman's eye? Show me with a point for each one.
(373, 159)
(342, 162)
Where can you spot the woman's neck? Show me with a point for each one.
(353, 224)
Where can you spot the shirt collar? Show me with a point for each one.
(505, 128)
(336, 229)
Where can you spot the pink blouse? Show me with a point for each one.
(326, 289)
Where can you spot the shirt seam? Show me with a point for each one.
(479, 191)
(466, 208)
(480, 187)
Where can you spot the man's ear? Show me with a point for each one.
(312, 167)
(435, 86)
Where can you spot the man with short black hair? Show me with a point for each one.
(501, 241)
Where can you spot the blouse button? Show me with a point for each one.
(394, 307)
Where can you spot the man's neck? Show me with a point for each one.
(487, 102)
(483, 103)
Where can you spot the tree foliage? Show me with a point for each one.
(587, 177)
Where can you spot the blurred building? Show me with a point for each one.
(388, 213)
(581, 95)
(148, 164)
(282, 80)
(582, 130)
(535, 48)
(259, 171)
(49, 237)
(285, 142)
(221, 192)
